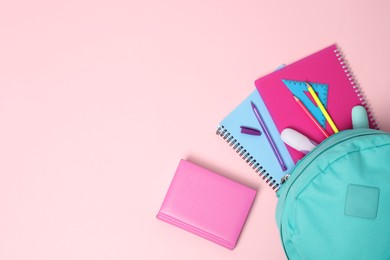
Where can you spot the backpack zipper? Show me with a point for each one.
(327, 144)
(288, 179)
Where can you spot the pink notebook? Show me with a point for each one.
(330, 78)
(206, 204)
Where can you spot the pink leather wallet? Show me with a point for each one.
(207, 204)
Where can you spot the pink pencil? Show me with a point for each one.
(311, 117)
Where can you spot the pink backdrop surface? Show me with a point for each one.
(99, 100)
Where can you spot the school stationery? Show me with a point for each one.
(322, 108)
(206, 204)
(330, 78)
(297, 140)
(269, 138)
(307, 112)
(250, 130)
(255, 150)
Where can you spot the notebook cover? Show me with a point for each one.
(325, 69)
(256, 150)
(206, 204)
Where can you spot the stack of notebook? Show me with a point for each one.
(214, 207)
(328, 74)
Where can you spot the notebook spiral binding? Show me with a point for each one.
(246, 156)
(345, 66)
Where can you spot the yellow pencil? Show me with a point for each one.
(323, 110)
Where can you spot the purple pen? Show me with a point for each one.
(271, 142)
(249, 130)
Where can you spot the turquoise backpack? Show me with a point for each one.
(336, 202)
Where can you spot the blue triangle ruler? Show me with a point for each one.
(299, 89)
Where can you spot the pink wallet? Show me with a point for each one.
(207, 204)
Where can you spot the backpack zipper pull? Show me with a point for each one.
(284, 178)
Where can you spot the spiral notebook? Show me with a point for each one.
(327, 72)
(253, 149)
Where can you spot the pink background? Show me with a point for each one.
(100, 99)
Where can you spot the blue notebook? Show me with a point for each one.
(254, 149)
